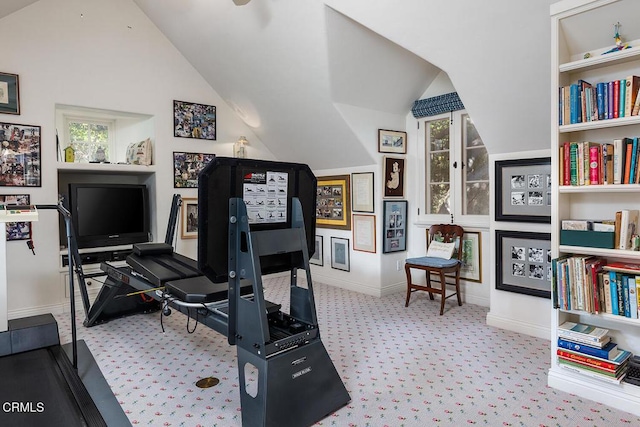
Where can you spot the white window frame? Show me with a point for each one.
(110, 124)
(456, 154)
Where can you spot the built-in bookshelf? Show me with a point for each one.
(581, 31)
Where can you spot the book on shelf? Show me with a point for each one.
(631, 94)
(586, 367)
(607, 163)
(622, 96)
(623, 267)
(618, 160)
(632, 292)
(609, 352)
(566, 365)
(628, 227)
(636, 106)
(612, 105)
(611, 365)
(584, 333)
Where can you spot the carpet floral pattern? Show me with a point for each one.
(401, 366)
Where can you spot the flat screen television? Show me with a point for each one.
(267, 189)
(109, 214)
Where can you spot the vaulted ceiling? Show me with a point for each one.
(291, 68)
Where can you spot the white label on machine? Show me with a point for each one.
(265, 195)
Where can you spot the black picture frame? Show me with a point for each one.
(394, 229)
(523, 262)
(9, 93)
(318, 255)
(192, 120)
(20, 159)
(187, 166)
(523, 190)
(340, 254)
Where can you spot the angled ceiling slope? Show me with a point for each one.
(280, 66)
(7, 7)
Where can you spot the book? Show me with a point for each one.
(595, 163)
(615, 99)
(636, 106)
(573, 163)
(598, 367)
(607, 163)
(574, 103)
(616, 232)
(633, 299)
(622, 96)
(628, 227)
(628, 148)
(618, 160)
(608, 352)
(606, 291)
(605, 364)
(600, 97)
(623, 267)
(631, 94)
(583, 332)
(569, 367)
(567, 163)
(613, 289)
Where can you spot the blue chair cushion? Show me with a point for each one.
(427, 261)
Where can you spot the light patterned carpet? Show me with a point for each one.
(401, 366)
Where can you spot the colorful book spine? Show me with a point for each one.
(594, 165)
(575, 103)
(616, 99)
(573, 159)
(594, 375)
(614, 292)
(623, 90)
(608, 352)
(596, 363)
(633, 299)
(610, 100)
(600, 97)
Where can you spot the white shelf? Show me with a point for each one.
(96, 168)
(609, 188)
(600, 124)
(611, 253)
(599, 61)
(606, 316)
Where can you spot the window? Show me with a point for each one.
(90, 138)
(456, 169)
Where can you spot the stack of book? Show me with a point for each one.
(589, 351)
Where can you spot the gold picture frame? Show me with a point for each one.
(333, 202)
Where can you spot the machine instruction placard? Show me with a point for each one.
(265, 195)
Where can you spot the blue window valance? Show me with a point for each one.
(437, 105)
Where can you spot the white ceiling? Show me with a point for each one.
(288, 67)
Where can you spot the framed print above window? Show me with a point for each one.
(393, 177)
(471, 268)
(395, 226)
(392, 141)
(523, 190)
(364, 233)
(16, 230)
(9, 94)
(362, 192)
(318, 255)
(189, 218)
(340, 253)
(523, 262)
(19, 155)
(187, 166)
(191, 120)
(333, 202)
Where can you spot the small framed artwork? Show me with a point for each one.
(189, 218)
(16, 230)
(191, 120)
(318, 255)
(340, 253)
(471, 266)
(9, 94)
(393, 177)
(523, 262)
(187, 166)
(392, 141)
(20, 160)
(395, 226)
(333, 202)
(523, 190)
(364, 233)
(362, 192)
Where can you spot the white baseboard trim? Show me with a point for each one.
(348, 285)
(35, 311)
(518, 326)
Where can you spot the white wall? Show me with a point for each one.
(107, 55)
(516, 312)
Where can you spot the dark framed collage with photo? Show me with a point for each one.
(189, 218)
(523, 190)
(187, 166)
(523, 262)
(16, 230)
(394, 228)
(333, 203)
(392, 141)
(191, 120)
(20, 159)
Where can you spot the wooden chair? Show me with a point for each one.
(441, 269)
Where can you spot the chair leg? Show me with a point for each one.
(429, 285)
(458, 289)
(442, 295)
(407, 270)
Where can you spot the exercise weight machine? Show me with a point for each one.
(254, 217)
